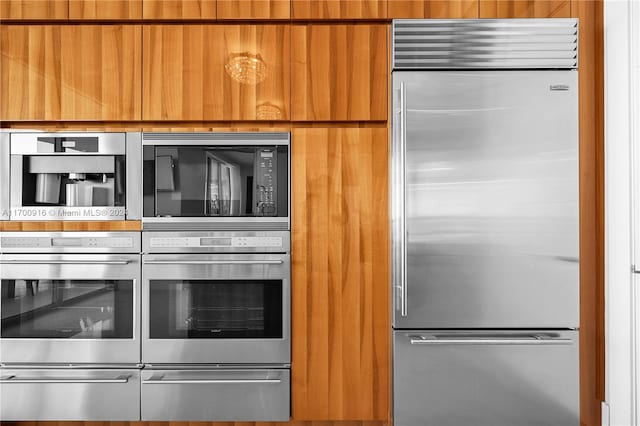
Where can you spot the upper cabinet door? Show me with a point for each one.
(439, 9)
(254, 9)
(34, 9)
(179, 9)
(525, 9)
(105, 9)
(339, 72)
(75, 72)
(339, 9)
(216, 72)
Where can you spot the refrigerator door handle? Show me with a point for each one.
(535, 339)
(399, 215)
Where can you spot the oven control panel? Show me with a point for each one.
(37, 242)
(215, 242)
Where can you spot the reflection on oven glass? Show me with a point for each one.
(68, 309)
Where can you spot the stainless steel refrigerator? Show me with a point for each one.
(485, 229)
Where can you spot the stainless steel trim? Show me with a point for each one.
(402, 234)
(134, 176)
(218, 138)
(108, 143)
(42, 242)
(149, 246)
(207, 382)
(119, 379)
(213, 262)
(5, 175)
(65, 262)
(533, 340)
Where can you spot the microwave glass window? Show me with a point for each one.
(201, 181)
(215, 309)
(67, 309)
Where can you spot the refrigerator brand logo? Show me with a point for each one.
(562, 87)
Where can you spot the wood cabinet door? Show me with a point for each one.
(179, 9)
(71, 72)
(34, 9)
(439, 9)
(525, 8)
(339, 72)
(105, 9)
(254, 9)
(216, 72)
(339, 9)
(340, 274)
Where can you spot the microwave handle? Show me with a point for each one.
(213, 262)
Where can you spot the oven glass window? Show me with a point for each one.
(67, 309)
(215, 309)
(217, 181)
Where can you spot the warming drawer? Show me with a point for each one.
(216, 395)
(70, 394)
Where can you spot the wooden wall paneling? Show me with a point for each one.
(339, 9)
(179, 9)
(591, 95)
(254, 9)
(30, 72)
(105, 9)
(525, 8)
(437, 9)
(34, 9)
(340, 274)
(339, 72)
(184, 74)
(120, 225)
(101, 72)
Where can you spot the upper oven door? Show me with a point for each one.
(212, 309)
(69, 308)
(216, 181)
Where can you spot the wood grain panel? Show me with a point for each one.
(78, 72)
(338, 9)
(339, 72)
(120, 225)
(438, 9)
(340, 271)
(34, 9)
(185, 77)
(254, 9)
(525, 8)
(591, 95)
(179, 9)
(105, 9)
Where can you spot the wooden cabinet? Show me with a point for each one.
(179, 9)
(254, 9)
(105, 9)
(525, 8)
(216, 72)
(439, 9)
(339, 9)
(34, 9)
(339, 72)
(76, 72)
(340, 274)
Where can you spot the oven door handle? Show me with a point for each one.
(65, 262)
(213, 262)
(210, 381)
(14, 379)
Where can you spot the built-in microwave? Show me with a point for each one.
(216, 181)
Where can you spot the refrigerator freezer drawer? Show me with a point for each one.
(216, 395)
(69, 394)
(486, 378)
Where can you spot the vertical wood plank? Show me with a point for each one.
(34, 9)
(105, 9)
(340, 340)
(339, 72)
(339, 9)
(179, 9)
(437, 9)
(254, 9)
(525, 8)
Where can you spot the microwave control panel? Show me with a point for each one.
(266, 175)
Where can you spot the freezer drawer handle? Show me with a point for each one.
(454, 340)
(13, 379)
(66, 262)
(213, 262)
(209, 382)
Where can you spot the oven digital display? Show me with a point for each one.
(66, 242)
(215, 241)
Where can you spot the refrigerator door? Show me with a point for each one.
(485, 232)
(480, 379)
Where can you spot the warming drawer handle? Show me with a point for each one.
(66, 262)
(14, 379)
(213, 262)
(209, 382)
(534, 340)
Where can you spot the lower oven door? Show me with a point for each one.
(69, 394)
(216, 395)
(69, 309)
(216, 309)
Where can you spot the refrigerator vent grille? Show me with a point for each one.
(277, 137)
(485, 43)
